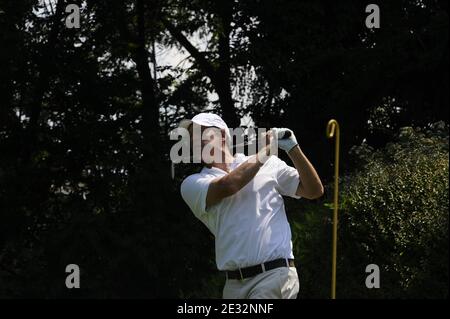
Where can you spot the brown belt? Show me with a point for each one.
(252, 271)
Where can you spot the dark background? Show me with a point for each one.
(85, 115)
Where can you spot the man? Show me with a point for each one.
(239, 199)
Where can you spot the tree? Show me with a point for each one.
(84, 117)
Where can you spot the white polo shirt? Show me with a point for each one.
(250, 227)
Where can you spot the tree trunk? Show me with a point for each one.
(151, 170)
(150, 111)
(220, 77)
(223, 74)
(46, 68)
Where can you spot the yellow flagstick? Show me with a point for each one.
(333, 130)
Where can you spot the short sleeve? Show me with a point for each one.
(287, 178)
(194, 190)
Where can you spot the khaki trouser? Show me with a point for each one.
(278, 283)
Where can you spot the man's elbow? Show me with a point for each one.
(318, 192)
(312, 192)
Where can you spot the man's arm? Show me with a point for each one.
(234, 181)
(310, 186)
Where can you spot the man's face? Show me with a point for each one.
(209, 142)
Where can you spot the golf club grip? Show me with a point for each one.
(287, 134)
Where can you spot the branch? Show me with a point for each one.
(198, 56)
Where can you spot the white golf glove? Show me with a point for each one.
(285, 143)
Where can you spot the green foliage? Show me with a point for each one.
(311, 235)
(393, 213)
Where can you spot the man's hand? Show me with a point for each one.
(286, 143)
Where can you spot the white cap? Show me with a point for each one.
(207, 120)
